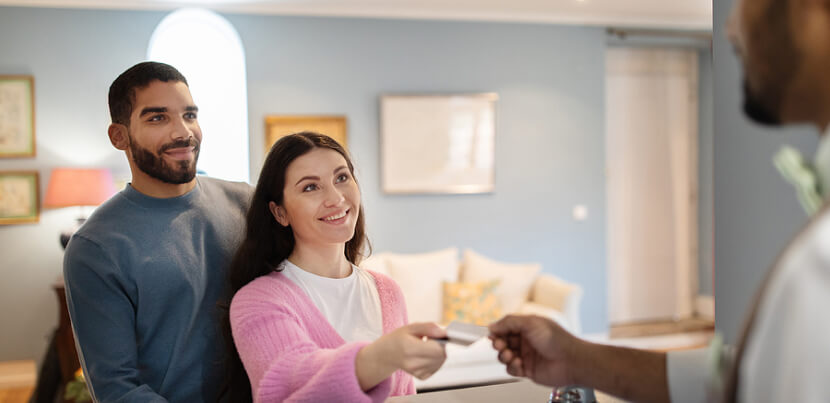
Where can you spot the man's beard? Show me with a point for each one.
(757, 111)
(155, 166)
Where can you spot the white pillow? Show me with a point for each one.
(420, 277)
(376, 263)
(515, 279)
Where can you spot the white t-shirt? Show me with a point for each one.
(687, 374)
(787, 358)
(350, 304)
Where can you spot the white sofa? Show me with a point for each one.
(522, 288)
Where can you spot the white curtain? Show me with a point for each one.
(651, 167)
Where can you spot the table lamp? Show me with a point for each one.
(78, 187)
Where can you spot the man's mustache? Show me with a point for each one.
(189, 142)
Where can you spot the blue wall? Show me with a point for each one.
(549, 146)
(756, 212)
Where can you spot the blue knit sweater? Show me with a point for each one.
(143, 276)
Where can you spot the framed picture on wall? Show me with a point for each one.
(277, 127)
(438, 143)
(19, 198)
(17, 116)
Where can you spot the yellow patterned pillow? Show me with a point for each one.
(471, 302)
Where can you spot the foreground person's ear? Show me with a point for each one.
(119, 136)
(279, 213)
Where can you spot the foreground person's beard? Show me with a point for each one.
(758, 112)
(155, 166)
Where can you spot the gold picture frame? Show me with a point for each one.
(17, 116)
(277, 127)
(19, 197)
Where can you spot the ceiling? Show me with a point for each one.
(658, 14)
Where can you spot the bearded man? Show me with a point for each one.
(144, 273)
(782, 354)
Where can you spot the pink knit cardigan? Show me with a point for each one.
(292, 353)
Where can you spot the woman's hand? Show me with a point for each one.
(408, 348)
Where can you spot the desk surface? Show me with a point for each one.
(521, 391)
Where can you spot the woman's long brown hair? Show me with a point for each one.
(267, 243)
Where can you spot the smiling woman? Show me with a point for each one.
(307, 323)
(206, 48)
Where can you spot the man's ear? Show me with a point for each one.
(279, 213)
(119, 136)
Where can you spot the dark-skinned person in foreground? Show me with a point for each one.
(781, 354)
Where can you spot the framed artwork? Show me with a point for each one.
(17, 116)
(19, 199)
(438, 143)
(277, 127)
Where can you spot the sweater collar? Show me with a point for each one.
(143, 200)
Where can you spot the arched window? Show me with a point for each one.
(206, 48)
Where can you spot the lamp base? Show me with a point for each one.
(67, 235)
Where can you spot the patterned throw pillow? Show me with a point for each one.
(471, 302)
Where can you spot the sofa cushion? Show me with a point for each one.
(551, 291)
(471, 302)
(376, 263)
(515, 279)
(420, 277)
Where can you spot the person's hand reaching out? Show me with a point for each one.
(534, 347)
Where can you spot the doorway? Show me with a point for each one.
(652, 184)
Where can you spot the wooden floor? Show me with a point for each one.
(16, 395)
(17, 381)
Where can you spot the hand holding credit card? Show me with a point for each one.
(463, 333)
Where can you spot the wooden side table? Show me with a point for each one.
(65, 340)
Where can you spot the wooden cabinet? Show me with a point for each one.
(65, 340)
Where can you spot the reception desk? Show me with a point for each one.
(521, 391)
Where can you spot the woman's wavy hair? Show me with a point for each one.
(267, 243)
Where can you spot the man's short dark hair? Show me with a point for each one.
(122, 90)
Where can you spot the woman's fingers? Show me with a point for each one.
(427, 329)
(422, 358)
(432, 348)
(425, 367)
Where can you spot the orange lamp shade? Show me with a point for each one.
(78, 187)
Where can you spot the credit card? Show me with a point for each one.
(464, 333)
